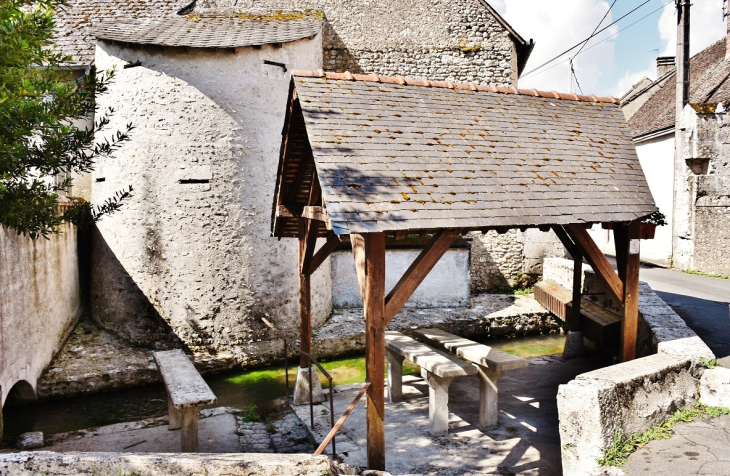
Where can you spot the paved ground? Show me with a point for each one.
(526, 442)
(700, 447)
(703, 303)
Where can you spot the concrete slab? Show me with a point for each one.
(526, 441)
(217, 434)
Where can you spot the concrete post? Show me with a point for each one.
(488, 396)
(173, 415)
(395, 376)
(438, 402)
(189, 432)
(301, 386)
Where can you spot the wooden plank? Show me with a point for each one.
(287, 211)
(575, 324)
(585, 244)
(333, 241)
(565, 239)
(630, 326)
(417, 272)
(374, 307)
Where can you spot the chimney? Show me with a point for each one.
(664, 64)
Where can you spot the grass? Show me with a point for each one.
(623, 446)
(707, 275)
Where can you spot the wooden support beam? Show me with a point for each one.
(374, 307)
(588, 248)
(575, 324)
(333, 241)
(565, 239)
(418, 271)
(620, 239)
(319, 214)
(305, 298)
(630, 322)
(358, 251)
(308, 231)
(288, 211)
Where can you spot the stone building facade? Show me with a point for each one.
(189, 257)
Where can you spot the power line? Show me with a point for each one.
(596, 28)
(586, 40)
(532, 73)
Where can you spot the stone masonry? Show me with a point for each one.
(457, 40)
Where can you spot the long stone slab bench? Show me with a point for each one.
(489, 362)
(437, 368)
(187, 393)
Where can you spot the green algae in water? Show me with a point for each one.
(530, 346)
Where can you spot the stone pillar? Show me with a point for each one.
(301, 387)
(438, 402)
(189, 430)
(174, 415)
(488, 396)
(395, 376)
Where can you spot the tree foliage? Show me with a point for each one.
(40, 106)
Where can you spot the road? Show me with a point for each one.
(703, 303)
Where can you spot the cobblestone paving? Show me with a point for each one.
(701, 447)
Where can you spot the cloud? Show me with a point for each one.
(630, 78)
(706, 26)
(556, 25)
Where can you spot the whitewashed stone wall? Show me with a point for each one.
(40, 302)
(438, 39)
(192, 247)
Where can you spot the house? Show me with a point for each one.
(693, 195)
(206, 84)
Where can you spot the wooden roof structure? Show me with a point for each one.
(392, 154)
(365, 156)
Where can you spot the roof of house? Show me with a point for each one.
(215, 29)
(709, 83)
(396, 154)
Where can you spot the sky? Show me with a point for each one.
(629, 51)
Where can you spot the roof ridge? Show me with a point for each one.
(348, 76)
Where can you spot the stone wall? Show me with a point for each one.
(438, 39)
(632, 396)
(513, 259)
(39, 304)
(162, 464)
(701, 237)
(192, 248)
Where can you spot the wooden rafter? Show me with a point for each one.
(597, 260)
(565, 239)
(418, 271)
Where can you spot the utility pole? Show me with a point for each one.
(682, 226)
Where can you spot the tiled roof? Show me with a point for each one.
(709, 82)
(75, 21)
(397, 154)
(213, 30)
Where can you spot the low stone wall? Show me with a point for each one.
(162, 464)
(632, 396)
(40, 302)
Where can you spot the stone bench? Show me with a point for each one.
(187, 393)
(489, 362)
(437, 368)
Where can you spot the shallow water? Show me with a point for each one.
(238, 390)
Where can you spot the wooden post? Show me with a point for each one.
(630, 323)
(305, 296)
(575, 324)
(374, 308)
